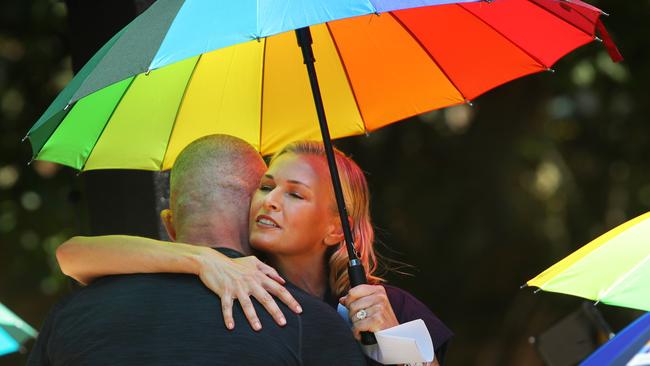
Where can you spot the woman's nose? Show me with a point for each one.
(270, 201)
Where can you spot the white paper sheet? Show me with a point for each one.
(408, 343)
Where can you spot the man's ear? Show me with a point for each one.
(168, 220)
(335, 231)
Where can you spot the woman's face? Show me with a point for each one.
(292, 210)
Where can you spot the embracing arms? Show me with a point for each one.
(86, 258)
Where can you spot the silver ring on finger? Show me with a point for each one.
(361, 314)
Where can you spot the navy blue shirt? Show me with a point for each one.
(173, 319)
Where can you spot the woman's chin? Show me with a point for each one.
(262, 243)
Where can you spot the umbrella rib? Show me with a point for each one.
(171, 131)
(622, 278)
(106, 124)
(266, 41)
(347, 75)
(505, 37)
(433, 59)
(564, 20)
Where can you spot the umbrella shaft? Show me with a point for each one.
(304, 41)
(356, 272)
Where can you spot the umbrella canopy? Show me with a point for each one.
(13, 331)
(613, 269)
(185, 69)
(623, 348)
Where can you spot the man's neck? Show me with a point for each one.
(224, 230)
(215, 236)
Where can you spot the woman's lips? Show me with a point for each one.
(266, 221)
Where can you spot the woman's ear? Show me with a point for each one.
(335, 233)
(168, 220)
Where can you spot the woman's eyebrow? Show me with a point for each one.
(291, 181)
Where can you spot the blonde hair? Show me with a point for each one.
(357, 204)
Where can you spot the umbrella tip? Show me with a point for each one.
(597, 39)
(31, 161)
(551, 70)
(66, 107)
(146, 73)
(523, 286)
(537, 290)
(604, 13)
(24, 138)
(469, 102)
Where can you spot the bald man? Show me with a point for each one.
(173, 319)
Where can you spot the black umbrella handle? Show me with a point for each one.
(356, 272)
(358, 277)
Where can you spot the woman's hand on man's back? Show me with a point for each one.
(241, 278)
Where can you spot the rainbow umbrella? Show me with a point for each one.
(13, 331)
(613, 269)
(185, 69)
(631, 342)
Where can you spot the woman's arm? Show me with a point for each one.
(86, 258)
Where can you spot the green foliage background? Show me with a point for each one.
(477, 199)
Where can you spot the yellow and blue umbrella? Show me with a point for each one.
(613, 269)
(13, 331)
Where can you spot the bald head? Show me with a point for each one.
(213, 179)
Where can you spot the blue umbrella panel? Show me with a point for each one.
(627, 348)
